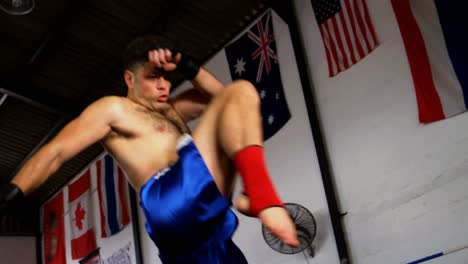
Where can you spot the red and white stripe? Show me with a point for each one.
(439, 93)
(348, 36)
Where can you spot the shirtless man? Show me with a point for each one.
(185, 181)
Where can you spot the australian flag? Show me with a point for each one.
(253, 57)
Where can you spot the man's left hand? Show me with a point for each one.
(164, 59)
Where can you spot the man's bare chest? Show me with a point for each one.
(165, 122)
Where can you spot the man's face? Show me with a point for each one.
(150, 83)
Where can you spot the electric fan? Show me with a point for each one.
(306, 228)
(17, 7)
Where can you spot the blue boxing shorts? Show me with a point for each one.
(187, 217)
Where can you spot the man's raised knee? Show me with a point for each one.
(245, 90)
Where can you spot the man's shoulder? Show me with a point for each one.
(113, 101)
(111, 105)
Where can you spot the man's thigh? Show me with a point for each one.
(206, 139)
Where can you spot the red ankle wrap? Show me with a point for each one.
(250, 163)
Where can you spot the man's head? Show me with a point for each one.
(145, 81)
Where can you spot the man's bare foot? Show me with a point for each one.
(276, 219)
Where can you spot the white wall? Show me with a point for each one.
(148, 250)
(293, 165)
(403, 183)
(18, 250)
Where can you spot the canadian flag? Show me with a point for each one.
(83, 240)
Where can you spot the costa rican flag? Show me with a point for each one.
(113, 195)
(433, 33)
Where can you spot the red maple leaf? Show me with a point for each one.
(79, 216)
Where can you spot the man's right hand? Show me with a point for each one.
(9, 193)
(170, 60)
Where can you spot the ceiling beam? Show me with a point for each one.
(30, 101)
(3, 98)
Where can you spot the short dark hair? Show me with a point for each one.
(136, 52)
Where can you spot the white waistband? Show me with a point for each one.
(183, 141)
(162, 172)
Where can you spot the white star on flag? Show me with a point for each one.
(271, 119)
(262, 94)
(240, 66)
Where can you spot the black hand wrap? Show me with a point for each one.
(9, 194)
(188, 67)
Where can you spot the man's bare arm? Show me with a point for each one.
(207, 83)
(92, 125)
(190, 104)
(203, 80)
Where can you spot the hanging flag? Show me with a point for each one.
(53, 228)
(253, 57)
(432, 33)
(113, 196)
(83, 239)
(347, 32)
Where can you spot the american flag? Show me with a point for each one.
(253, 57)
(347, 32)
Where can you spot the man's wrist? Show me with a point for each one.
(188, 67)
(9, 193)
